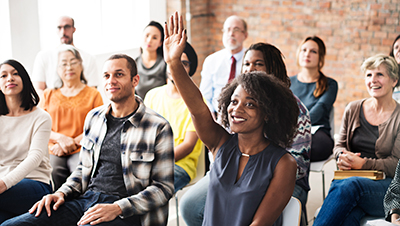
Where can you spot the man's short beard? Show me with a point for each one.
(231, 46)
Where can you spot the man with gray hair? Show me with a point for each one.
(221, 67)
(44, 74)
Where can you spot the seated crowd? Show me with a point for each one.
(80, 162)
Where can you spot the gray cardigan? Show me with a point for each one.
(387, 146)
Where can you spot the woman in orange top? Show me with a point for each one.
(68, 106)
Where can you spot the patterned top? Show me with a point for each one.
(147, 155)
(301, 146)
(391, 200)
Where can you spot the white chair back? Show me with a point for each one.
(291, 215)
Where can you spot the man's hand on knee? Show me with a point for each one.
(100, 213)
(47, 200)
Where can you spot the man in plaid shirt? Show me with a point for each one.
(126, 170)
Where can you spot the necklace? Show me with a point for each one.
(245, 155)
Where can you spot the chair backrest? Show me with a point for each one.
(291, 215)
(201, 166)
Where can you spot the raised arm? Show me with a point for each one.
(211, 133)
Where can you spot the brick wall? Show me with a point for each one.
(352, 31)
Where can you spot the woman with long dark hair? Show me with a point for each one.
(24, 129)
(318, 92)
(150, 64)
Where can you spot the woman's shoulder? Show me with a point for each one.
(40, 113)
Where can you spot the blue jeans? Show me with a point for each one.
(71, 212)
(193, 202)
(181, 178)
(21, 197)
(351, 199)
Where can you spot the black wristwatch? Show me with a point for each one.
(391, 212)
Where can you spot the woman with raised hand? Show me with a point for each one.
(68, 106)
(253, 176)
(24, 131)
(150, 63)
(267, 58)
(369, 139)
(318, 92)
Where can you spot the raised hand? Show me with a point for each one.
(175, 39)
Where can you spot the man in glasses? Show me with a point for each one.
(167, 101)
(44, 73)
(221, 67)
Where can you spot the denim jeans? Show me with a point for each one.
(21, 197)
(181, 178)
(193, 202)
(351, 199)
(71, 212)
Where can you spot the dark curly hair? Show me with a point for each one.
(275, 100)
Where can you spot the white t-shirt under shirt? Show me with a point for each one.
(45, 69)
(23, 147)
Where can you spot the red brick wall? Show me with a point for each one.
(352, 31)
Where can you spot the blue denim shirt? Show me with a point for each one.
(147, 157)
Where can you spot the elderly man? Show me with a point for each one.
(44, 74)
(222, 66)
(126, 170)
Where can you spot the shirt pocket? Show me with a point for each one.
(87, 152)
(141, 163)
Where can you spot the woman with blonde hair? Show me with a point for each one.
(318, 92)
(368, 140)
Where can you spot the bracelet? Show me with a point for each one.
(337, 157)
(393, 211)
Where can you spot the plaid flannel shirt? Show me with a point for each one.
(147, 157)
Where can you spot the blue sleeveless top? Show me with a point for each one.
(235, 203)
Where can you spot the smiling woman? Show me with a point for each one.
(251, 161)
(24, 131)
(368, 140)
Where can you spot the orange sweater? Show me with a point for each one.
(68, 113)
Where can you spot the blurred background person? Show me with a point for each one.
(68, 106)
(151, 66)
(318, 93)
(167, 101)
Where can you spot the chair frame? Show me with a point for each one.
(200, 172)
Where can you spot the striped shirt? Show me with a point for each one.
(147, 157)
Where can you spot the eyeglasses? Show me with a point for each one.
(70, 64)
(186, 63)
(234, 30)
(65, 27)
